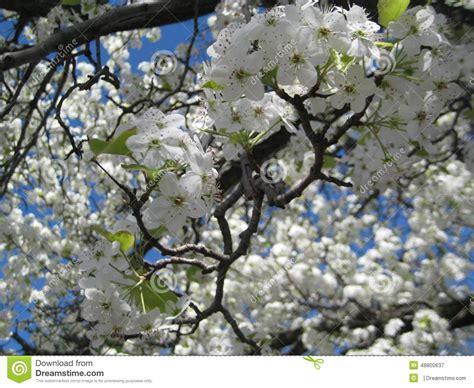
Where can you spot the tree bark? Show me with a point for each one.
(126, 18)
(29, 8)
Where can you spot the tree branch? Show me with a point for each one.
(127, 18)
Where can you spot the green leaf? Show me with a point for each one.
(391, 10)
(213, 85)
(97, 146)
(156, 174)
(137, 262)
(386, 45)
(191, 273)
(71, 2)
(329, 162)
(138, 167)
(299, 165)
(269, 78)
(116, 146)
(422, 153)
(166, 85)
(124, 237)
(341, 61)
(470, 114)
(158, 232)
(104, 233)
(147, 299)
(67, 251)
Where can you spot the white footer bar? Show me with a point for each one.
(222, 372)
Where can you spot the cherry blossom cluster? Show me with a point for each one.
(183, 173)
(109, 280)
(399, 80)
(181, 183)
(245, 122)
